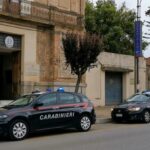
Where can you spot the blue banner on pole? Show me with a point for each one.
(138, 39)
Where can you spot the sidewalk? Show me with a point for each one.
(103, 114)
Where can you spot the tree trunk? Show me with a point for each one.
(78, 83)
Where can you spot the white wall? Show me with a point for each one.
(95, 78)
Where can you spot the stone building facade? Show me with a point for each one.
(31, 55)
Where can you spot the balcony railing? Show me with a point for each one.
(39, 13)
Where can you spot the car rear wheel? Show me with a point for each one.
(84, 123)
(146, 116)
(18, 130)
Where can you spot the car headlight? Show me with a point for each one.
(134, 109)
(3, 116)
(112, 109)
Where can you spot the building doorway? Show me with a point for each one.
(10, 75)
(113, 88)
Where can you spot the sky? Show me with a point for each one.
(132, 4)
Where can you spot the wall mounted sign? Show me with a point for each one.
(9, 41)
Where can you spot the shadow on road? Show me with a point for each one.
(129, 122)
(4, 139)
(53, 132)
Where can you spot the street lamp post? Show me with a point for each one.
(138, 44)
(139, 10)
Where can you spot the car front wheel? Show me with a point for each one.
(18, 130)
(84, 123)
(146, 116)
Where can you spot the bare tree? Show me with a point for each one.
(81, 53)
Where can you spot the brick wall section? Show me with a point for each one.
(51, 59)
(11, 7)
(40, 12)
(45, 55)
(77, 6)
(45, 2)
(148, 73)
(62, 72)
(6, 5)
(148, 61)
(15, 8)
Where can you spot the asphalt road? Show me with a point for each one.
(101, 137)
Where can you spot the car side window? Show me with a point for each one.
(77, 99)
(66, 98)
(84, 98)
(49, 99)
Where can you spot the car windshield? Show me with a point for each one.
(23, 100)
(139, 98)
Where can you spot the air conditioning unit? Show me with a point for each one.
(25, 8)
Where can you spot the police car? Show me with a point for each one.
(42, 111)
(137, 107)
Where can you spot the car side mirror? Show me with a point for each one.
(37, 105)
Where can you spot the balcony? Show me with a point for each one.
(38, 13)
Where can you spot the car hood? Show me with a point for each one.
(2, 109)
(131, 104)
(6, 109)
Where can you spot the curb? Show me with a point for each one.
(103, 120)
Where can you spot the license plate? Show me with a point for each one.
(119, 115)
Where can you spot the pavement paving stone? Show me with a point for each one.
(103, 114)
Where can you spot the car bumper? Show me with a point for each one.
(127, 116)
(3, 127)
(93, 117)
(3, 130)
